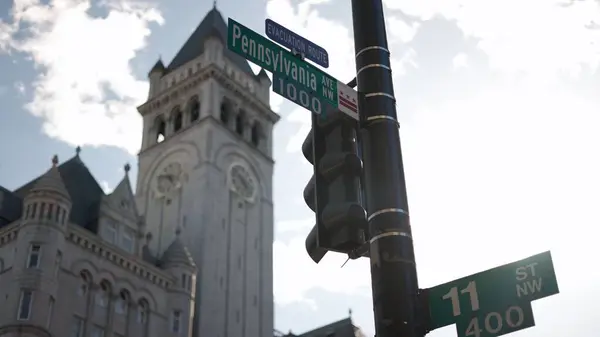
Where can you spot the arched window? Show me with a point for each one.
(103, 294)
(142, 311)
(194, 110)
(160, 131)
(177, 120)
(84, 283)
(225, 110)
(256, 133)
(122, 303)
(239, 122)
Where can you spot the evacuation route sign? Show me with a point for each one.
(274, 58)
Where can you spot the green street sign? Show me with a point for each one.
(272, 57)
(299, 95)
(495, 323)
(502, 294)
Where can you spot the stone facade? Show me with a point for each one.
(190, 253)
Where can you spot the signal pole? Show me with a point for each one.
(393, 269)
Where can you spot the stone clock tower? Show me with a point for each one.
(206, 172)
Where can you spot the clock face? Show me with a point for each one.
(242, 183)
(169, 180)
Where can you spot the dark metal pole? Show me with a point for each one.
(393, 270)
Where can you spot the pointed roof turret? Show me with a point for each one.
(124, 186)
(177, 253)
(262, 73)
(51, 181)
(159, 67)
(213, 24)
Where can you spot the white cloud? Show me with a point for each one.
(297, 273)
(106, 187)
(539, 37)
(20, 87)
(86, 92)
(460, 60)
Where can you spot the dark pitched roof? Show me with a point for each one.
(10, 207)
(158, 66)
(213, 24)
(177, 253)
(83, 188)
(342, 328)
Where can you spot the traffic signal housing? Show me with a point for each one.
(334, 191)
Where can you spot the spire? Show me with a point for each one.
(127, 167)
(177, 253)
(51, 181)
(215, 4)
(212, 24)
(77, 151)
(158, 67)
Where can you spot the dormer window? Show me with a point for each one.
(127, 242)
(110, 233)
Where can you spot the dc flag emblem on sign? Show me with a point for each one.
(347, 100)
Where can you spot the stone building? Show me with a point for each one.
(342, 328)
(77, 262)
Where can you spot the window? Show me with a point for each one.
(127, 242)
(102, 295)
(195, 110)
(33, 211)
(160, 131)
(184, 279)
(176, 321)
(33, 260)
(57, 214)
(77, 327)
(50, 311)
(225, 112)
(97, 331)
(28, 211)
(255, 134)
(239, 123)
(178, 121)
(84, 285)
(42, 210)
(50, 211)
(110, 233)
(121, 304)
(25, 305)
(57, 263)
(142, 312)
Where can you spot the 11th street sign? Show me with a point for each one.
(295, 42)
(272, 57)
(493, 302)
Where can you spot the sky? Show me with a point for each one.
(498, 102)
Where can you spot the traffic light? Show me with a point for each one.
(334, 191)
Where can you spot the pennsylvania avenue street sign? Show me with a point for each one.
(274, 58)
